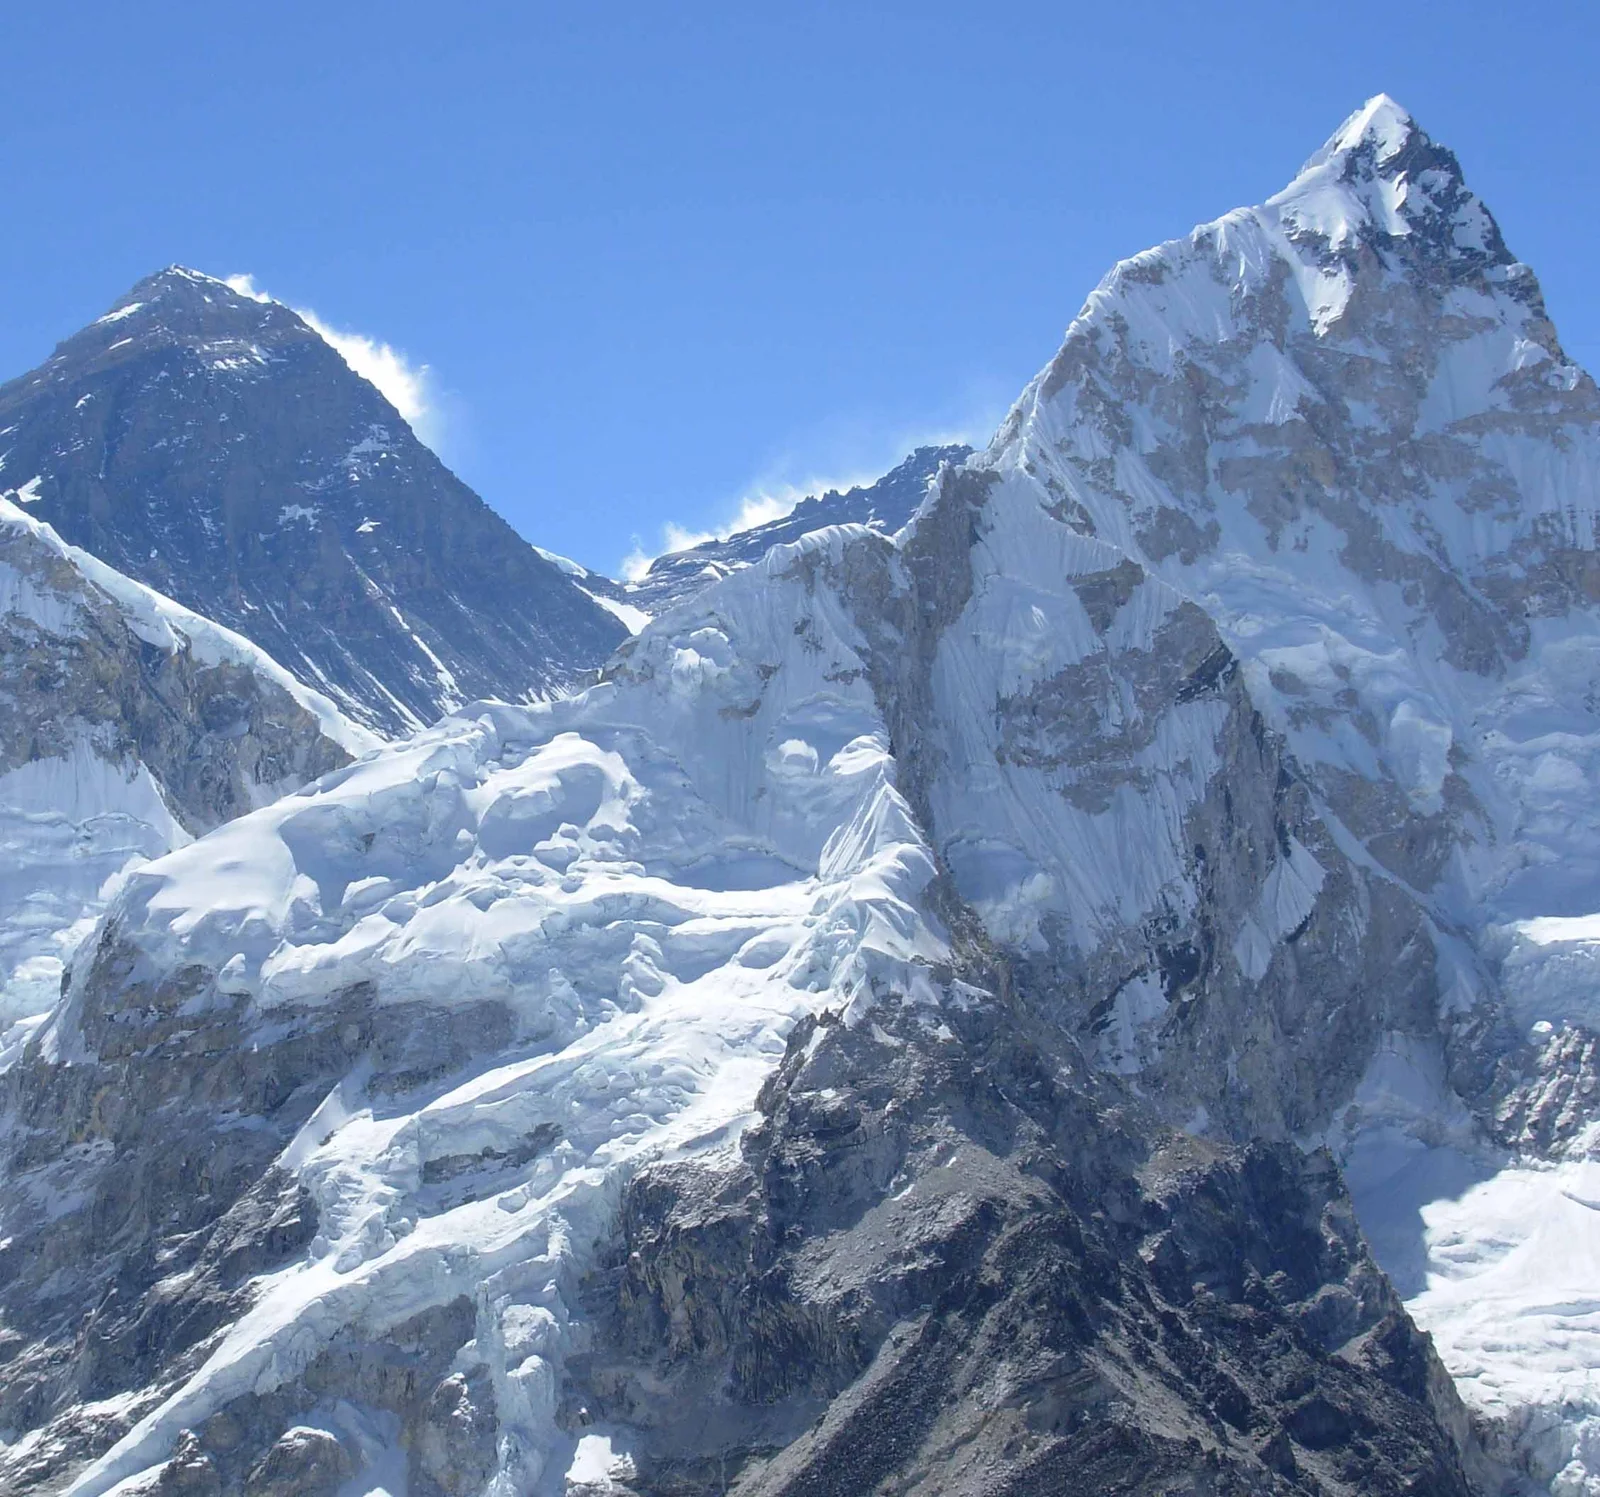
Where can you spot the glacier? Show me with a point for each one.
(652, 883)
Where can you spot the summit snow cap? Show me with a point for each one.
(1379, 177)
(1381, 123)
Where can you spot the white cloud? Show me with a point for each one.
(636, 563)
(245, 285)
(753, 510)
(675, 537)
(408, 387)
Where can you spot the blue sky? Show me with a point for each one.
(661, 260)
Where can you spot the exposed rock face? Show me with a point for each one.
(218, 449)
(129, 726)
(900, 1029)
(306, 1462)
(918, 1275)
(1127, 826)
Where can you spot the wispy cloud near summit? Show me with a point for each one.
(407, 386)
(787, 479)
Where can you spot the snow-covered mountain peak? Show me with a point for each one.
(178, 305)
(1370, 305)
(1347, 431)
(180, 281)
(1380, 178)
(1372, 142)
(1382, 122)
(215, 446)
(1341, 429)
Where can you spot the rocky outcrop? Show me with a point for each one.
(956, 1263)
(215, 447)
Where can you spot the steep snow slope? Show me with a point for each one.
(215, 447)
(1341, 427)
(130, 726)
(1343, 424)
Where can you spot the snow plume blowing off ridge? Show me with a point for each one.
(755, 509)
(789, 479)
(407, 386)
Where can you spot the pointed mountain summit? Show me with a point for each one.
(1342, 427)
(216, 448)
(1380, 178)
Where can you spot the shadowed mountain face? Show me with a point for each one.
(219, 450)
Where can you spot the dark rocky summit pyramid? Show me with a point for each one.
(218, 449)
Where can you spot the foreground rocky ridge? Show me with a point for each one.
(957, 1262)
(883, 1036)
(216, 447)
